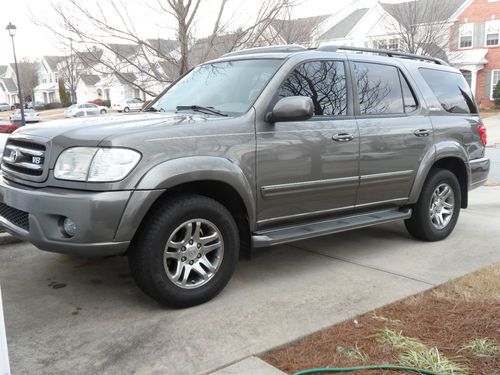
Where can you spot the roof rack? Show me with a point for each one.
(285, 48)
(406, 55)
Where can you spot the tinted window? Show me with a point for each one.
(451, 89)
(324, 82)
(379, 90)
(410, 103)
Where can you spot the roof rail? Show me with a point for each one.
(268, 49)
(390, 53)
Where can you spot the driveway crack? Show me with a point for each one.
(363, 265)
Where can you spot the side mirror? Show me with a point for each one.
(291, 108)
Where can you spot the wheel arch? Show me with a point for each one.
(213, 177)
(451, 156)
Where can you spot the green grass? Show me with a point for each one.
(482, 347)
(353, 353)
(414, 353)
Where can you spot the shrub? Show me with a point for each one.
(97, 102)
(107, 103)
(496, 94)
(8, 128)
(53, 105)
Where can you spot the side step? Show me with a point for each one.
(278, 236)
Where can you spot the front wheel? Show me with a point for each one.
(126, 109)
(436, 212)
(103, 112)
(185, 251)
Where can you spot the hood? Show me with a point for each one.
(92, 130)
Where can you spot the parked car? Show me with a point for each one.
(85, 109)
(128, 105)
(257, 148)
(36, 105)
(7, 106)
(30, 116)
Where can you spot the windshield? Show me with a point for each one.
(230, 87)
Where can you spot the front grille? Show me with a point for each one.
(17, 217)
(24, 157)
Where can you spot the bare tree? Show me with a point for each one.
(117, 47)
(69, 73)
(28, 74)
(422, 26)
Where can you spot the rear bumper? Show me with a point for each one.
(479, 169)
(105, 221)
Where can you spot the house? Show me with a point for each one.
(8, 85)
(475, 46)
(86, 89)
(47, 90)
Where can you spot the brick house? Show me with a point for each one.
(475, 47)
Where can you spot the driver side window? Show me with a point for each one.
(323, 81)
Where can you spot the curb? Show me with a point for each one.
(6, 239)
(249, 366)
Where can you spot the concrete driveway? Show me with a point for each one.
(87, 316)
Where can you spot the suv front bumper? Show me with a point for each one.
(105, 221)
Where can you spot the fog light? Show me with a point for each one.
(69, 227)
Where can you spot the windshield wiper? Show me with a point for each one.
(199, 108)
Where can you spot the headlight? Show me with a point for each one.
(95, 164)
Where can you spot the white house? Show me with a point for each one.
(8, 86)
(47, 90)
(86, 89)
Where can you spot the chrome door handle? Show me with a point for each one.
(342, 137)
(422, 132)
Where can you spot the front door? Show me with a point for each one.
(309, 168)
(394, 134)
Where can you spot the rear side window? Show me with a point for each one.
(409, 101)
(324, 82)
(379, 89)
(451, 89)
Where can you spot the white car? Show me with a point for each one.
(30, 115)
(128, 105)
(6, 106)
(85, 109)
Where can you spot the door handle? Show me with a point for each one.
(422, 132)
(342, 137)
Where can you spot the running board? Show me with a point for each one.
(278, 236)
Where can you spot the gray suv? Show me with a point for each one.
(257, 148)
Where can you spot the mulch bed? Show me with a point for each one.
(446, 323)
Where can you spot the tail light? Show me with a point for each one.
(481, 129)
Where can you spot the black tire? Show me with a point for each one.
(126, 109)
(420, 224)
(103, 112)
(147, 249)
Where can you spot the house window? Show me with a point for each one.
(465, 33)
(495, 78)
(393, 44)
(381, 44)
(492, 33)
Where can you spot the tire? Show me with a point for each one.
(161, 271)
(103, 111)
(433, 219)
(126, 109)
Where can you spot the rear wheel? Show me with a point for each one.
(186, 251)
(436, 212)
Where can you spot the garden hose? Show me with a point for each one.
(332, 370)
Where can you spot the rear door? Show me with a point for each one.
(309, 168)
(394, 132)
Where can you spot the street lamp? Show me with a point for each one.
(12, 31)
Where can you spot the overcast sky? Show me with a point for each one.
(34, 41)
